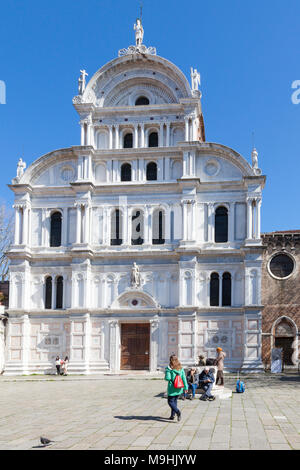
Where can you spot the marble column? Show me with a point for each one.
(114, 346)
(161, 135)
(231, 214)
(136, 136)
(117, 136)
(154, 341)
(78, 222)
(110, 130)
(249, 218)
(184, 220)
(25, 225)
(142, 126)
(86, 223)
(186, 119)
(168, 134)
(257, 225)
(211, 225)
(17, 224)
(82, 133)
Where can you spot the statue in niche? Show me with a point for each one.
(195, 77)
(20, 168)
(139, 32)
(135, 276)
(81, 81)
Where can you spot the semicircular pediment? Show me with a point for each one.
(163, 75)
(135, 299)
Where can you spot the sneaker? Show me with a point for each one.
(179, 416)
(212, 398)
(172, 418)
(203, 398)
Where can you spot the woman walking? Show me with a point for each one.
(220, 364)
(175, 369)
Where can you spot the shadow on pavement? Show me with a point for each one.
(144, 418)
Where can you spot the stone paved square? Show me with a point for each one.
(129, 412)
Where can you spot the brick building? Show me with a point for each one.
(281, 296)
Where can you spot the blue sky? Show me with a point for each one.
(246, 51)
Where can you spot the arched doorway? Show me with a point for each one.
(285, 337)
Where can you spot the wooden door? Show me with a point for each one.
(135, 344)
(286, 344)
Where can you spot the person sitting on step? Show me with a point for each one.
(206, 381)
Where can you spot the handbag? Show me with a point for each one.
(178, 383)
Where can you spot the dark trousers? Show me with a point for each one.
(58, 370)
(220, 376)
(172, 402)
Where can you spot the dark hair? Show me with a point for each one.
(66, 358)
(174, 362)
(57, 357)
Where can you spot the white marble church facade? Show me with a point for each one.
(143, 187)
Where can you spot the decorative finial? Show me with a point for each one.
(81, 81)
(254, 159)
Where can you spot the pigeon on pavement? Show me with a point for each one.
(45, 441)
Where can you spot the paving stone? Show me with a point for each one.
(136, 419)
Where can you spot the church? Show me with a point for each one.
(141, 242)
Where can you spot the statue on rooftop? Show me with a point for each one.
(195, 77)
(81, 81)
(20, 168)
(139, 32)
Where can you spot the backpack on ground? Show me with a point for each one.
(240, 386)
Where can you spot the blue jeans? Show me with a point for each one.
(172, 402)
(207, 388)
(193, 387)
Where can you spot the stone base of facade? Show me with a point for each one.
(95, 343)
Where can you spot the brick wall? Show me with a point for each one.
(279, 297)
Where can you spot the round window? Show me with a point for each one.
(282, 265)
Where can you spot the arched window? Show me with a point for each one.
(128, 141)
(214, 290)
(151, 171)
(55, 230)
(142, 101)
(137, 228)
(48, 292)
(226, 290)
(221, 225)
(126, 172)
(116, 228)
(153, 139)
(59, 292)
(158, 228)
